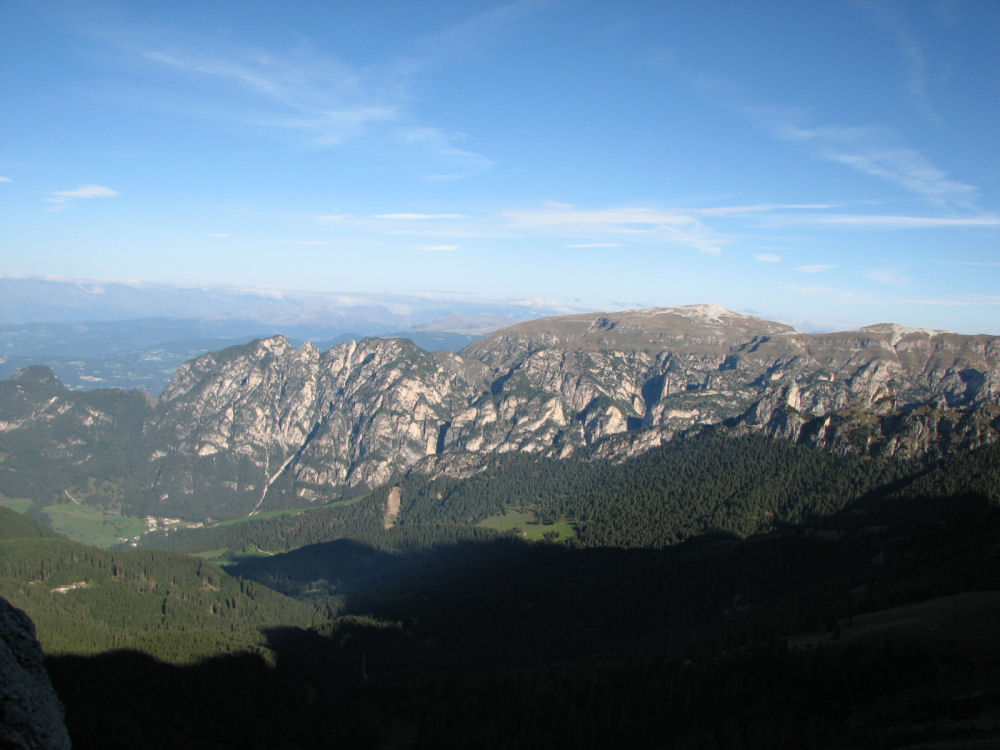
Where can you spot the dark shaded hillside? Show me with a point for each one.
(554, 600)
(448, 635)
(233, 701)
(506, 644)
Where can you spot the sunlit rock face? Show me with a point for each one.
(673, 369)
(268, 425)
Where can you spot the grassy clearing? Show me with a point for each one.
(261, 516)
(511, 520)
(215, 556)
(88, 525)
(562, 529)
(525, 523)
(17, 504)
(288, 512)
(224, 557)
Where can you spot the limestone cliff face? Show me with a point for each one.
(678, 368)
(267, 425)
(267, 413)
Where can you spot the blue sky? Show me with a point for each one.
(828, 164)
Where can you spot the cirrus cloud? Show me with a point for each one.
(636, 221)
(418, 217)
(62, 198)
(888, 276)
(437, 248)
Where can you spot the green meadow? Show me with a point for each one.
(525, 523)
(88, 525)
(16, 504)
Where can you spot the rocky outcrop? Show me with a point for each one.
(267, 425)
(31, 716)
(680, 368)
(268, 416)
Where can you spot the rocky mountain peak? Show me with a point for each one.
(36, 375)
(266, 424)
(651, 330)
(716, 315)
(898, 332)
(275, 345)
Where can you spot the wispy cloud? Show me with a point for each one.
(323, 98)
(707, 230)
(810, 289)
(5, 179)
(332, 127)
(539, 303)
(565, 220)
(469, 37)
(815, 268)
(319, 99)
(873, 151)
(888, 276)
(866, 150)
(760, 208)
(911, 56)
(462, 162)
(418, 217)
(438, 248)
(910, 170)
(578, 228)
(880, 221)
(61, 199)
(969, 300)
(84, 191)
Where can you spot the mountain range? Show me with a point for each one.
(266, 425)
(686, 524)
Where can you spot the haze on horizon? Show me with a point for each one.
(829, 165)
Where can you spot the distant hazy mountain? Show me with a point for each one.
(146, 353)
(114, 334)
(28, 300)
(268, 425)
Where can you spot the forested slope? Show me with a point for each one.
(711, 482)
(84, 600)
(15, 525)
